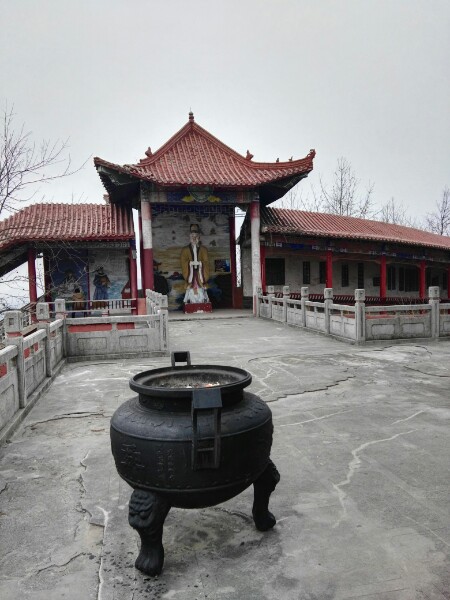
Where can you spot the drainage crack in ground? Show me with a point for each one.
(52, 566)
(425, 373)
(82, 415)
(320, 389)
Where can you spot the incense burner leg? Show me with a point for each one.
(147, 513)
(263, 487)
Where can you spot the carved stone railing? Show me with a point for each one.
(358, 322)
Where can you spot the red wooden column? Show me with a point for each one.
(32, 274)
(422, 279)
(133, 273)
(232, 226)
(141, 250)
(147, 247)
(448, 281)
(383, 277)
(262, 253)
(329, 270)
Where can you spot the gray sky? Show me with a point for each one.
(365, 79)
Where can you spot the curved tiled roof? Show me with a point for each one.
(195, 157)
(282, 220)
(66, 222)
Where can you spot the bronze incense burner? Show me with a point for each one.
(191, 438)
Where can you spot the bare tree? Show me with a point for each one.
(344, 197)
(395, 213)
(439, 220)
(24, 164)
(295, 199)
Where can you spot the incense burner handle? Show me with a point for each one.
(206, 451)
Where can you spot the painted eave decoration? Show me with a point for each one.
(296, 222)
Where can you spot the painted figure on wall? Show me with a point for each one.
(101, 283)
(68, 284)
(195, 268)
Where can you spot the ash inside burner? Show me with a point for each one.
(187, 381)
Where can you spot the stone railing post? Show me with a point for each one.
(258, 301)
(286, 293)
(304, 297)
(270, 297)
(60, 313)
(43, 317)
(164, 322)
(360, 315)
(151, 299)
(433, 299)
(60, 308)
(42, 312)
(13, 333)
(328, 301)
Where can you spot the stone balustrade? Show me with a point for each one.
(29, 362)
(358, 323)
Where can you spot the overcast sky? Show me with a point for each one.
(368, 80)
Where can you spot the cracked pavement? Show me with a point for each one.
(361, 441)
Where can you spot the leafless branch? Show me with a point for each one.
(25, 164)
(394, 212)
(343, 197)
(439, 220)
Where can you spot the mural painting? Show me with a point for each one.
(68, 274)
(96, 275)
(108, 273)
(192, 258)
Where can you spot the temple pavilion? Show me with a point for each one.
(194, 183)
(195, 179)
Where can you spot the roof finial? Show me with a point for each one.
(148, 152)
(249, 155)
(191, 116)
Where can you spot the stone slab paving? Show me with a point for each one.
(361, 442)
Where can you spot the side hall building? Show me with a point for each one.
(320, 251)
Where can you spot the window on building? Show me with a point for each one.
(408, 279)
(361, 276)
(322, 272)
(345, 280)
(275, 271)
(306, 272)
(391, 277)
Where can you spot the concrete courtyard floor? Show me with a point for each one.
(361, 441)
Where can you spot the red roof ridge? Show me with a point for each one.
(193, 156)
(66, 222)
(328, 225)
(351, 218)
(193, 126)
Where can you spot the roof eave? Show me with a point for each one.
(273, 230)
